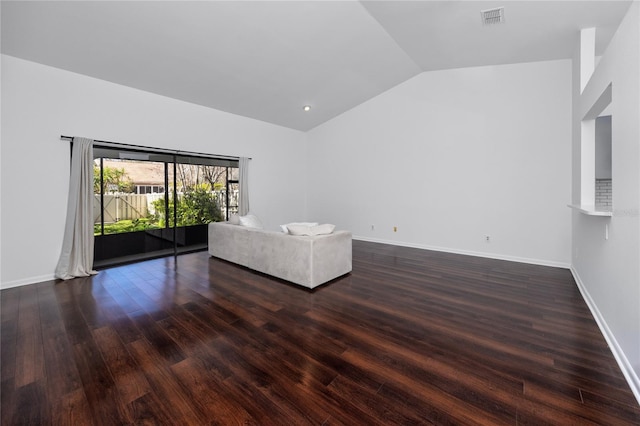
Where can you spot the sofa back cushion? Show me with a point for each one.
(323, 229)
(250, 221)
(234, 219)
(285, 228)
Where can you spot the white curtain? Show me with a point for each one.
(76, 258)
(243, 203)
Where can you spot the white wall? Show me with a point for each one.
(451, 156)
(603, 147)
(40, 103)
(608, 270)
(1, 61)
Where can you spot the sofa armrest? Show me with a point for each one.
(331, 257)
(305, 260)
(229, 242)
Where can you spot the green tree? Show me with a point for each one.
(113, 180)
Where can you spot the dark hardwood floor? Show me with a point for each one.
(409, 337)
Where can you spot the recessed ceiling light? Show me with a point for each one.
(306, 108)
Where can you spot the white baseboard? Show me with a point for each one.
(27, 281)
(541, 262)
(618, 353)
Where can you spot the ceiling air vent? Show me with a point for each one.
(492, 16)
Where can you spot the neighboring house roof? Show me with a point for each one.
(140, 172)
(148, 172)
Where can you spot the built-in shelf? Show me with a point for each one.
(593, 210)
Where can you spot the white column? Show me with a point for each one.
(587, 55)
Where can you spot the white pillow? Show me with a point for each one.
(250, 221)
(234, 219)
(286, 231)
(311, 230)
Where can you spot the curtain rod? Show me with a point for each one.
(109, 144)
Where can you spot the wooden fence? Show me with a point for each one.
(121, 206)
(135, 206)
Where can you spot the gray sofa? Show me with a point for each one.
(305, 260)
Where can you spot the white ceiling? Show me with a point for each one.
(266, 59)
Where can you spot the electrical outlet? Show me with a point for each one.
(373, 227)
(395, 229)
(487, 238)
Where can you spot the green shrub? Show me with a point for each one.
(125, 226)
(196, 206)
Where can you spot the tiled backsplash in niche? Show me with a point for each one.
(604, 193)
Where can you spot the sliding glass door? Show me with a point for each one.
(150, 204)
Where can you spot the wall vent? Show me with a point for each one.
(492, 16)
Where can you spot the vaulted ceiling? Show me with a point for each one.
(267, 59)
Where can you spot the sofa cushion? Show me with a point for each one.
(250, 221)
(286, 230)
(323, 229)
(234, 219)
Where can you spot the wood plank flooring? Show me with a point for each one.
(409, 337)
